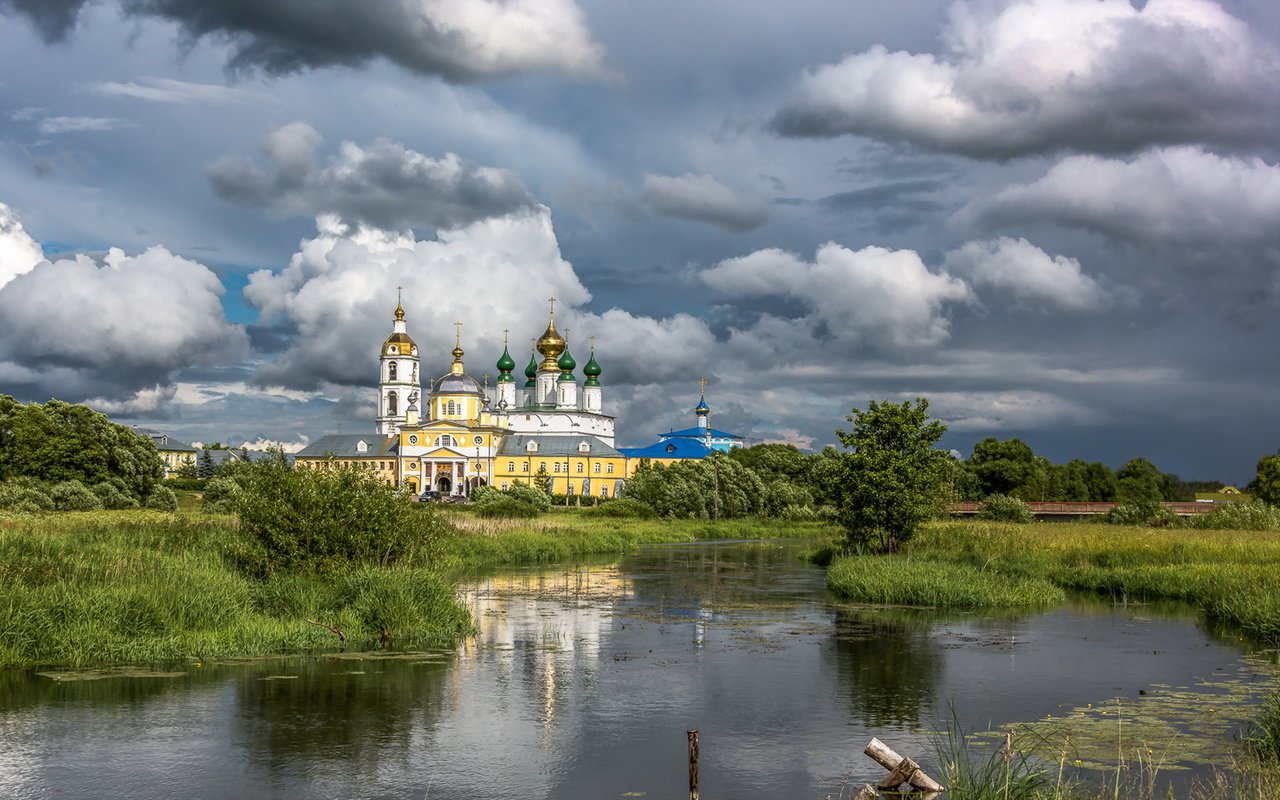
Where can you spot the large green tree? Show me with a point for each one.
(1010, 467)
(889, 483)
(1266, 484)
(58, 441)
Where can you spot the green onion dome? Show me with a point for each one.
(566, 362)
(592, 371)
(506, 363)
(531, 371)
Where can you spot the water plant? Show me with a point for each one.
(904, 580)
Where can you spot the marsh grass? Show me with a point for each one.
(131, 587)
(1233, 576)
(903, 580)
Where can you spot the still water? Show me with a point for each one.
(584, 679)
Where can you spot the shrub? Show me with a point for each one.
(162, 498)
(507, 507)
(1254, 516)
(530, 495)
(74, 496)
(220, 496)
(18, 497)
(485, 494)
(627, 507)
(112, 497)
(187, 484)
(1003, 508)
(324, 519)
(1142, 512)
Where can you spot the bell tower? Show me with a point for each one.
(398, 381)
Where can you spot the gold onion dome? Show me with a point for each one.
(550, 346)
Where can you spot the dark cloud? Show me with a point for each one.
(384, 186)
(53, 18)
(1043, 75)
(882, 194)
(464, 40)
(702, 198)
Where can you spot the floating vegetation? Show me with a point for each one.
(108, 672)
(1173, 728)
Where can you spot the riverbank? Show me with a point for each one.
(1232, 576)
(112, 587)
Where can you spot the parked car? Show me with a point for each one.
(429, 496)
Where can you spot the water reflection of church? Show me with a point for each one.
(552, 431)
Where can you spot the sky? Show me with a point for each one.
(1055, 219)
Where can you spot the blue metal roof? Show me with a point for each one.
(698, 433)
(673, 448)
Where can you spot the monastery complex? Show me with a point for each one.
(551, 432)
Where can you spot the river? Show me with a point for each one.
(584, 679)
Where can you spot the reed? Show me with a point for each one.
(904, 580)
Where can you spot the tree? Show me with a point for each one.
(888, 485)
(1140, 481)
(1266, 483)
(206, 468)
(57, 442)
(1010, 467)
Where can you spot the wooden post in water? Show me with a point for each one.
(901, 769)
(693, 765)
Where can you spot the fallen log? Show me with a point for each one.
(901, 769)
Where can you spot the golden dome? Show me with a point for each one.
(403, 344)
(551, 345)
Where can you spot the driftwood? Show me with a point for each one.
(901, 770)
(342, 637)
(693, 765)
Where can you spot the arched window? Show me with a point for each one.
(451, 408)
(579, 467)
(391, 371)
(596, 468)
(391, 404)
(609, 469)
(446, 441)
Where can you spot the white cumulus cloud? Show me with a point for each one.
(1029, 273)
(1030, 76)
(873, 295)
(19, 253)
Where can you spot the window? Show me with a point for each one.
(451, 408)
(391, 371)
(579, 467)
(526, 466)
(504, 486)
(444, 441)
(609, 469)
(604, 490)
(671, 448)
(596, 468)
(478, 440)
(555, 467)
(511, 466)
(391, 404)
(413, 439)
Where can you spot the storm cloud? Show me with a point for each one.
(462, 40)
(704, 199)
(384, 185)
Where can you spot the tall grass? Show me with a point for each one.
(903, 580)
(112, 587)
(1233, 576)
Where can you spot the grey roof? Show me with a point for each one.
(164, 441)
(456, 384)
(561, 445)
(344, 445)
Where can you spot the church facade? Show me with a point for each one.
(551, 432)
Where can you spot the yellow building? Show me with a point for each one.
(554, 434)
(173, 453)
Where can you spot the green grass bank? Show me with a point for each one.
(1233, 576)
(111, 587)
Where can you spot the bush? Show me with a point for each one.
(1142, 512)
(530, 495)
(220, 496)
(187, 484)
(18, 497)
(1003, 508)
(74, 496)
(1254, 516)
(162, 498)
(485, 494)
(326, 519)
(112, 497)
(627, 507)
(507, 507)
